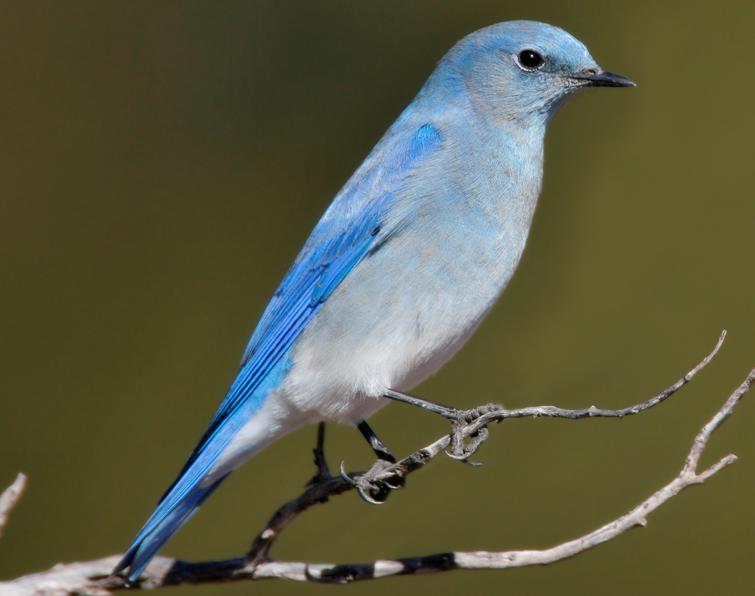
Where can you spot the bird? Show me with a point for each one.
(403, 265)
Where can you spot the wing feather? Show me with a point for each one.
(347, 231)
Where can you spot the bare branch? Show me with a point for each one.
(318, 492)
(594, 412)
(10, 498)
(92, 578)
(702, 438)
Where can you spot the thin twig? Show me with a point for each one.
(10, 498)
(92, 578)
(594, 412)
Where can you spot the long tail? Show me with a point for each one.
(166, 520)
(193, 485)
(211, 462)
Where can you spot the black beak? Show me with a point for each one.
(602, 78)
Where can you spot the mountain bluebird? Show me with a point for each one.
(404, 264)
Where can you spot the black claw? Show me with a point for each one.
(370, 486)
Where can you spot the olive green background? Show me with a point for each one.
(162, 162)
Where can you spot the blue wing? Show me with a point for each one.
(352, 227)
(349, 229)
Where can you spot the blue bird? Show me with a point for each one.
(404, 264)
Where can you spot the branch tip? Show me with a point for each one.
(10, 498)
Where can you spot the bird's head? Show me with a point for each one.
(520, 69)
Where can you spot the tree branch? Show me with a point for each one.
(92, 578)
(10, 498)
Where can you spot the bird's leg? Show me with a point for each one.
(461, 447)
(382, 452)
(430, 406)
(323, 471)
(375, 485)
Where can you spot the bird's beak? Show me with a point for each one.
(595, 77)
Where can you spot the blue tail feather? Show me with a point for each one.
(160, 527)
(182, 499)
(188, 491)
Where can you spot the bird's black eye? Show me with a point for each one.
(530, 59)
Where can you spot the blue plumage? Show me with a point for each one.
(405, 262)
(336, 246)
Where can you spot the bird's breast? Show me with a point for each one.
(408, 307)
(399, 316)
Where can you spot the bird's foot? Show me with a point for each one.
(463, 447)
(375, 484)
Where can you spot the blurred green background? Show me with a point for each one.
(162, 162)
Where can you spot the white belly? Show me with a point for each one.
(394, 322)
